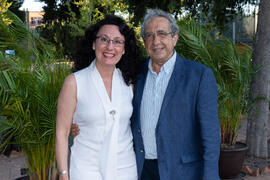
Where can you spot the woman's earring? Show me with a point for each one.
(123, 52)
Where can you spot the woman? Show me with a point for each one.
(98, 98)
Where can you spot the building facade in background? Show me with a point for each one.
(33, 19)
(33, 13)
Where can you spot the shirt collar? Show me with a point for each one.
(167, 67)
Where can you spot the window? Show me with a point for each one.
(36, 20)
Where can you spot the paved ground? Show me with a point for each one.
(242, 138)
(265, 177)
(10, 168)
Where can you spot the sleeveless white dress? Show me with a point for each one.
(103, 150)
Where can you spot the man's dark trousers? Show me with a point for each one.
(150, 170)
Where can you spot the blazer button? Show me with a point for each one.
(139, 131)
(141, 150)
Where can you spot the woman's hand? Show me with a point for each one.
(63, 176)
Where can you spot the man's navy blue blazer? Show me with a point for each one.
(187, 132)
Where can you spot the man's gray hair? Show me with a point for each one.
(154, 13)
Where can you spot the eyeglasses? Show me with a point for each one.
(116, 42)
(161, 34)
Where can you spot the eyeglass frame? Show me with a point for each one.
(161, 34)
(108, 40)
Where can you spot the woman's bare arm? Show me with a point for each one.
(65, 109)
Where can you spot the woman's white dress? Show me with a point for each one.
(103, 150)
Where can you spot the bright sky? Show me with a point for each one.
(32, 5)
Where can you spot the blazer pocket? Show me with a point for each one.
(188, 158)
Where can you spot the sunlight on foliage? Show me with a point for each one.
(4, 5)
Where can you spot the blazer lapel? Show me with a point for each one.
(138, 91)
(175, 81)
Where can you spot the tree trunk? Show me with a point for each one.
(257, 129)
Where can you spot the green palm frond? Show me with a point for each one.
(231, 65)
(27, 45)
(30, 82)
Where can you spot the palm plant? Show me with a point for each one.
(25, 43)
(232, 67)
(30, 82)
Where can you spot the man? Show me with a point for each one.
(175, 123)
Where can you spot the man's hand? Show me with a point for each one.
(75, 130)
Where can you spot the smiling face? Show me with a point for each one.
(108, 47)
(160, 48)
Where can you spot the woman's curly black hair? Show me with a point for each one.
(130, 63)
